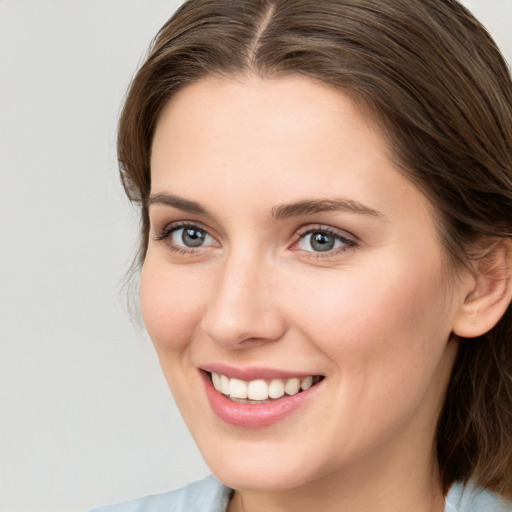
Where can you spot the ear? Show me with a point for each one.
(490, 292)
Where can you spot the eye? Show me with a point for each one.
(185, 237)
(190, 236)
(323, 240)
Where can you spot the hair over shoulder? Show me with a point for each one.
(431, 77)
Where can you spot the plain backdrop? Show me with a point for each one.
(85, 415)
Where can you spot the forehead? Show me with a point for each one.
(249, 142)
(251, 122)
(261, 102)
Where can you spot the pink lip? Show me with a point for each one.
(252, 373)
(255, 416)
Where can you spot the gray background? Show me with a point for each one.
(85, 416)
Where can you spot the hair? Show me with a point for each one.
(434, 81)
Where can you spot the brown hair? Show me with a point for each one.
(433, 79)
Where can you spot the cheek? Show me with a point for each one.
(172, 304)
(390, 319)
(386, 339)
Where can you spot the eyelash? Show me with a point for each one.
(349, 243)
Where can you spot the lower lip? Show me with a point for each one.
(255, 415)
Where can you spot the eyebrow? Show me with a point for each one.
(179, 203)
(308, 207)
(284, 211)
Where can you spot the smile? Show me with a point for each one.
(256, 399)
(261, 390)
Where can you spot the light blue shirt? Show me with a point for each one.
(209, 495)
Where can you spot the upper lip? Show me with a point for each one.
(252, 373)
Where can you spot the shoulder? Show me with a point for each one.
(468, 498)
(207, 495)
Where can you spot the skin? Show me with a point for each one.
(374, 316)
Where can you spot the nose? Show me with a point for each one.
(243, 309)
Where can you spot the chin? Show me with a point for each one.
(263, 465)
(275, 476)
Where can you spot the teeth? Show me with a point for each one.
(224, 385)
(276, 388)
(216, 380)
(237, 388)
(257, 390)
(292, 386)
(260, 389)
(306, 383)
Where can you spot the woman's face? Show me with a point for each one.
(285, 245)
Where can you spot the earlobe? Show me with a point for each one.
(490, 295)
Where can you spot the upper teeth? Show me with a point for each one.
(260, 389)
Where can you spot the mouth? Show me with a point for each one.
(253, 398)
(261, 391)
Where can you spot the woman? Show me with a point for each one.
(326, 196)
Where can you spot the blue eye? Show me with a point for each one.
(323, 241)
(184, 237)
(190, 236)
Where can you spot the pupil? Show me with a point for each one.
(322, 242)
(192, 237)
